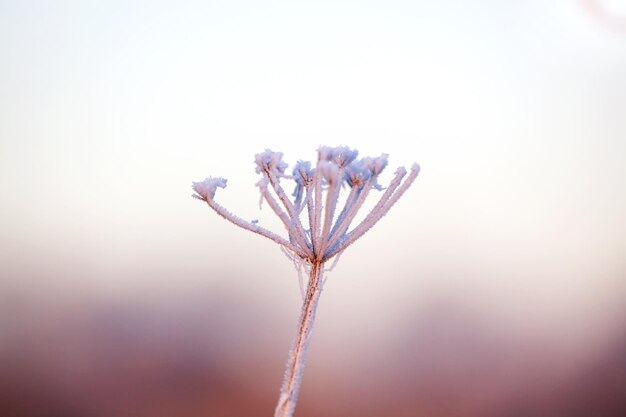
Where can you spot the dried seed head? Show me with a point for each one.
(270, 162)
(205, 190)
(357, 174)
(330, 224)
(303, 175)
(302, 172)
(341, 155)
(329, 171)
(376, 165)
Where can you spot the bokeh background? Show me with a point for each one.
(495, 287)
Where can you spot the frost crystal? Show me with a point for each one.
(270, 162)
(341, 155)
(205, 190)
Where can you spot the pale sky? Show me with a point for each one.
(514, 110)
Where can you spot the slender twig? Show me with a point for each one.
(238, 221)
(297, 237)
(368, 223)
(350, 200)
(332, 194)
(351, 213)
(317, 210)
(295, 220)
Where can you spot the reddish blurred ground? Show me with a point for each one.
(210, 355)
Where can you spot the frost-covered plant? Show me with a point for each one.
(326, 235)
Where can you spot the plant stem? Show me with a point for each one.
(297, 357)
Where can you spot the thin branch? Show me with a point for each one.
(395, 182)
(317, 211)
(311, 212)
(288, 205)
(350, 200)
(380, 210)
(370, 221)
(351, 213)
(238, 221)
(283, 217)
(400, 173)
(332, 194)
(298, 263)
(305, 202)
(332, 266)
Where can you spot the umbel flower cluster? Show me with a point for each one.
(317, 226)
(317, 190)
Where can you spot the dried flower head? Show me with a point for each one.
(318, 234)
(205, 190)
(270, 162)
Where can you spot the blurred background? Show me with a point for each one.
(495, 287)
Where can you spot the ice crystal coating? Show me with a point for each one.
(271, 162)
(326, 229)
(329, 171)
(303, 175)
(340, 155)
(376, 165)
(302, 172)
(205, 190)
(357, 173)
